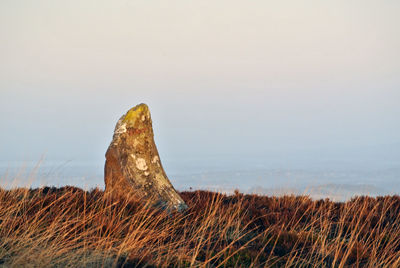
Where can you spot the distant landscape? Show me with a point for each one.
(339, 182)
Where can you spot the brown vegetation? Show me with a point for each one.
(72, 227)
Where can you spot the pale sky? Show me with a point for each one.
(279, 78)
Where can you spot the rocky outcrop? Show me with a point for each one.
(133, 168)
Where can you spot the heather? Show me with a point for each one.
(53, 227)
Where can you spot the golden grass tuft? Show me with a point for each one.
(50, 227)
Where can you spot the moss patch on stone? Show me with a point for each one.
(136, 112)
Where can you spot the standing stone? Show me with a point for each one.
(133, 168)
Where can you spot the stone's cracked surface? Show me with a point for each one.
(133, 168)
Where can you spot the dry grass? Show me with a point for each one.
(71, 227)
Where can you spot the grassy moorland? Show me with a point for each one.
(70, 227)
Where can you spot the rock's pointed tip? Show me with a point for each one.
(137, 112)
(141, 106)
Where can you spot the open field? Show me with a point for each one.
(67, 226)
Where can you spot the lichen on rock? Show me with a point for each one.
(133, 168)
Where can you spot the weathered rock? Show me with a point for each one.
(133, 168)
